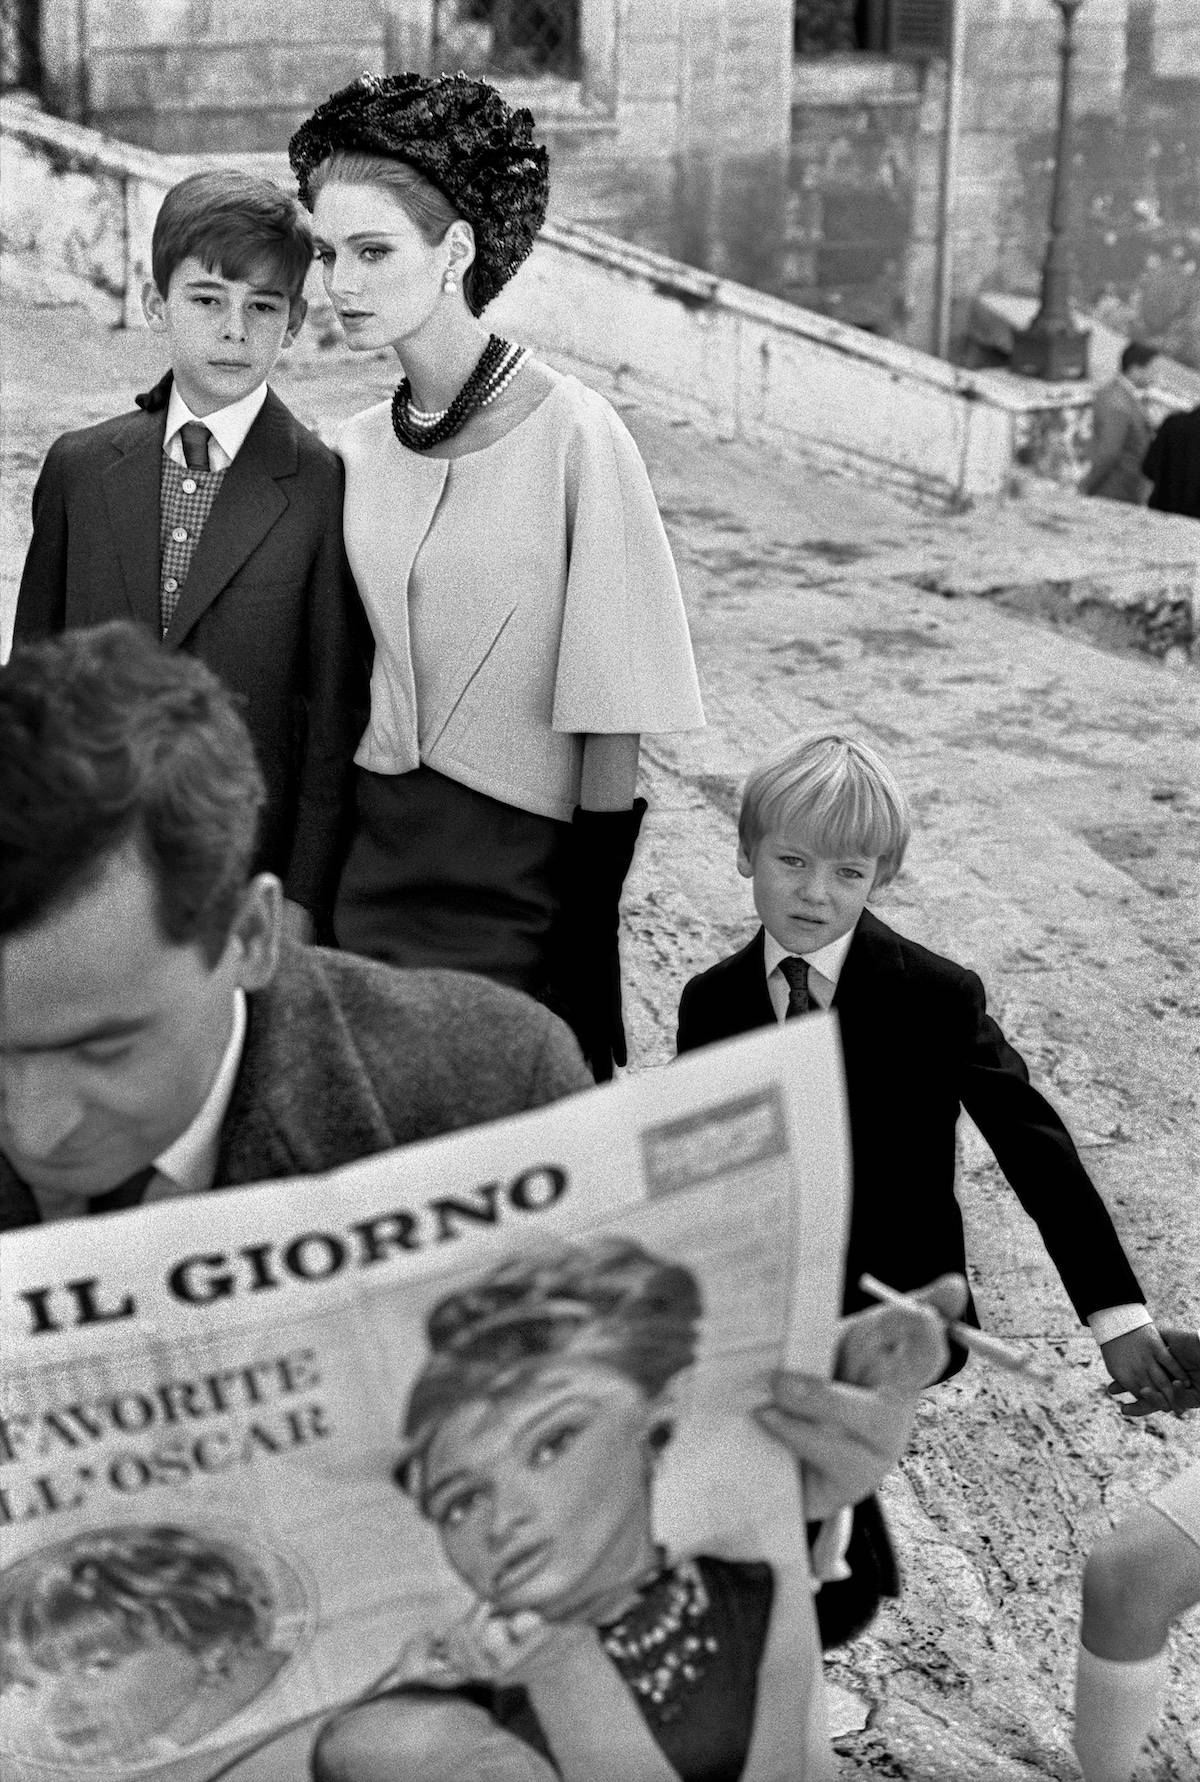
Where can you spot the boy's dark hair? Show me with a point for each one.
(108, 742)
(235, 223)
(1137, 353)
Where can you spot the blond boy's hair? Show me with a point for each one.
(836, 792)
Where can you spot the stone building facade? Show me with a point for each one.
(796, 145)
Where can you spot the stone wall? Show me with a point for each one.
(1175, 40)
(185, 78)
(1135, 150)
(855, 158)
(739, 364)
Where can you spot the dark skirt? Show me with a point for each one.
(441, 875)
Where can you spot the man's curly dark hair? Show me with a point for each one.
(108, 742)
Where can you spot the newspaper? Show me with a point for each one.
(215, 1529)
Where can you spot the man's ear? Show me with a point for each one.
(154, 306)
(257, 930)
(296, 315)
(744, 863)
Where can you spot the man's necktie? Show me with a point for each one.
(800, 998)
(194, 436)
(127, 1193)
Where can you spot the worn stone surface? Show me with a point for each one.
(1057, 793)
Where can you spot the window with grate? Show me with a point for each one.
(824, 27)
(919, 27)
(20, 57)
(516, 38)
(888, 27)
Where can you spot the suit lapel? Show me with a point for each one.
(874, 952)
(131, 494)
(249, 503)
(17, 1205)
(745, 988)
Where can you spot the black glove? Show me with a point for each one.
(586, 981)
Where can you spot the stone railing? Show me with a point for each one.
(737, 363)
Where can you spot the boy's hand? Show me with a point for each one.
(1185, 1347)
(1141, 1363)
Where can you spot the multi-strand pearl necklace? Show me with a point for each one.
(420, 428)
(662, 1645)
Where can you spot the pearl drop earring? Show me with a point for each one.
(449, 282)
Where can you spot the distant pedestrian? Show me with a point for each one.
(1173, 465)
(213, 518)
(1121, 430)
(510, 555)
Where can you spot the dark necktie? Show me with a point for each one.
(800, 997)
(126, 1194)
(194, 436)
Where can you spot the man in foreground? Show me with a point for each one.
(158, 1035)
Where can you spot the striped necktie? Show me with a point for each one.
(800, 997)
(194, 437)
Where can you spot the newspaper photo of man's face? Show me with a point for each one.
(125, 1645)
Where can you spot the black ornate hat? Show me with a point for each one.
(463, 137)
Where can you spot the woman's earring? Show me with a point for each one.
(449, 281)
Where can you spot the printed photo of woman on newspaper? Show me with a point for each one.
(126, 1646)
(532, 1438)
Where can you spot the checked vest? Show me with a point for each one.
(186, 496)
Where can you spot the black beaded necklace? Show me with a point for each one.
(662, 1644)
(472, 396)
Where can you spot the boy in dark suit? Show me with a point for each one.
(213, 517)
(823, 824)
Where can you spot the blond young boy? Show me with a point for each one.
(824, 825)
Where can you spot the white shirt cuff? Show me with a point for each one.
(827, 1555)
(1116, 1321)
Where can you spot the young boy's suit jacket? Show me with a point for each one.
(919, 1045)
(269, 603)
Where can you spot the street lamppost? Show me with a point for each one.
(1052, 346)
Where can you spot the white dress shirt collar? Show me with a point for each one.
(189, 1165)
(228, 426)
(825, 967)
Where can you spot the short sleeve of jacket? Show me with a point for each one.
(625, 658)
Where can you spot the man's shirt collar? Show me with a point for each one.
(190, 1164)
